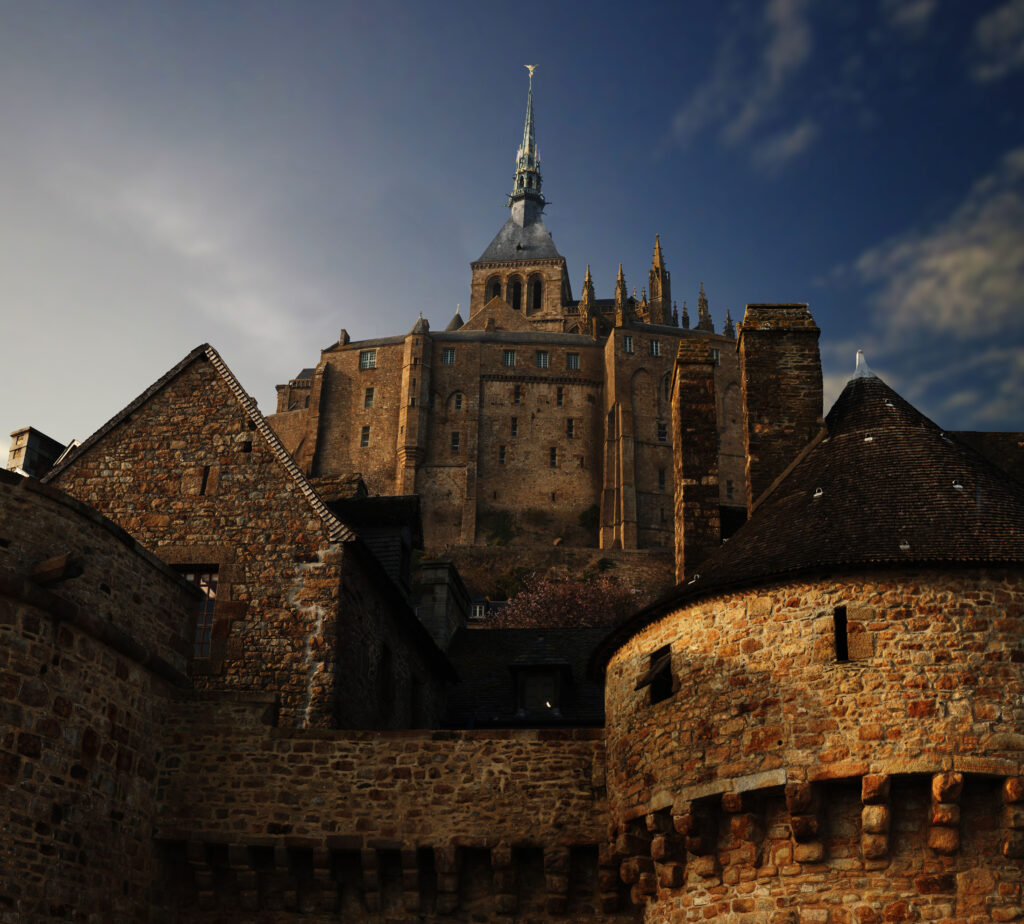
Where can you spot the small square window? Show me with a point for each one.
(662, 433)
(559, 396)
(514, 429)
(455, 442)
(458, 401)
(542, 359)
(658, 675)
(368, 359)
(517, 394)
(570, 428)
(501, 455)
(364, 437)
(627, 344)
(508, 357)
(448, 356)
(368, 398)
(655, 348)
(553, 457)
(572, 360)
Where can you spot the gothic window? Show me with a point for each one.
(572, 360)
(367, 359)
(627, 344)
(515, 291)
(536, 290)
(205, 578)
(364, 437)
(448, 356)
(368, 398)
(493, 288)
(508, 357)
(542, 359)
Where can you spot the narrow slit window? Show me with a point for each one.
(560, 396)
(368, 398)
(364, 437)
(658, 675)
(842, 638)
(455, 442)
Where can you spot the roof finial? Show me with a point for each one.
(863, 370)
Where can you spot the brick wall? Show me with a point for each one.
(761, 705)
(87, 664)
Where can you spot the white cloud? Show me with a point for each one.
(965, 276)
(997, 45)
(775, 152)
(910, 17)
(743, 92)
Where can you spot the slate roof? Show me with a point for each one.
(514, 241)
(895, 489)
(486, 658)
(306, 373)
(337, 530)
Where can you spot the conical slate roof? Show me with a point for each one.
(516, 241)
(881, 486)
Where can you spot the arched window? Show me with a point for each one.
(493, 288)
(515, 293)
(534, 294)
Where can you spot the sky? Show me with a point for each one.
(259, 175)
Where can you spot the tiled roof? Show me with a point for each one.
(337, 530)
(485, 660)
(881, 486)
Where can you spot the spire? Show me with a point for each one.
(686, 316)
(620, 289)
(730, 330)
(526, 183)
(660, 286)
(587, 309)
(704, 321)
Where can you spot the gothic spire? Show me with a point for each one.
(620, 289)
(686, 315)
(704, 321)
(661, 291)
(587, 309)
(526, 183)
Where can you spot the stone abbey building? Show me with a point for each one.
(540, 417)
(218, 702)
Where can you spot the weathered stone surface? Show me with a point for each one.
(947, 787)
(875, 819)
(945, 841)
(874, 788)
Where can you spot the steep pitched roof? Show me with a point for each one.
(337, 530)
(515, 241)
(881, 486)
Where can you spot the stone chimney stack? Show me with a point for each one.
(695, 456)
(780, 373)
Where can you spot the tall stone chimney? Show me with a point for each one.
(695, 455)
(780, 373)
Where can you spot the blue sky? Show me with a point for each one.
(261, 174)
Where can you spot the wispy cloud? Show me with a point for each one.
(965, 275)
(997, 46)
(742, 97)
(910, 17)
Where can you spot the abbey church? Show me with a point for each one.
(239, 680)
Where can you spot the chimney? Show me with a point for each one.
(780, 373)
(695, 455)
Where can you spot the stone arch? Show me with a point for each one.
(514, 292)
(492, 289)
(535, 293)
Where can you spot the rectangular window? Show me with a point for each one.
(517, 394)
(662, 433)
(448, 356)
(501, 455)
(364, 437)
(728, 488)
(658, 675)
(655, 348)
(508, 357)
(458, 401)
(570, 428)
(368, 359)
(205, 578)
(553, 457)
(572, 360)
(514, 429)
(542, 359)
(842, 639)
(715, 356)
(455, 442)
(559, 396)
(627, 344)
(368, 398)
(661, 479)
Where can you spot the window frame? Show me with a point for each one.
(627, 344)
(508, 359)
(367, 360)
(572, 362)
(542, 358)
(655, 347)
(368, 397)
(448, 356)
(364, 437)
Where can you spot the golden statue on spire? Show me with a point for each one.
(531, 68)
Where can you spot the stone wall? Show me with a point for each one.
(760, 706)
(189, 475)
(92, 641)
(380, 826)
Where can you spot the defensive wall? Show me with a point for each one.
(848, 746)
